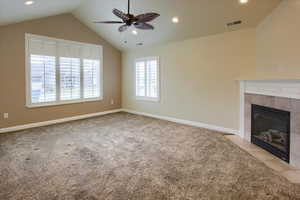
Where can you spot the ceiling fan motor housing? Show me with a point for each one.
(139, 21)
(131, 20)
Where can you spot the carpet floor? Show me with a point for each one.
(129, 157)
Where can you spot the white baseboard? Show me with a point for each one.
(180, 121)
(186, 122)
(57, 121)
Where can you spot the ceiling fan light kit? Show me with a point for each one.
(139, 21)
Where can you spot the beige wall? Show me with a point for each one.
(12, 70)
(278, 43)
(198, 75)
(198, 78)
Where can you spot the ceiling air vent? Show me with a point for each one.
(234, 23)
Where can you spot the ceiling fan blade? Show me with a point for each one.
(144, 26)
(147, 17)
(109, 22)
(123, 28)
(120, 14)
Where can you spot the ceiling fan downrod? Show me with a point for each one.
(128, 7)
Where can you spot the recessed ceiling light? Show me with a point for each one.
(244, 1)
(28, 3)
(134, 32)
(175, 20)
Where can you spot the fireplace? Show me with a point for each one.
(270, 129)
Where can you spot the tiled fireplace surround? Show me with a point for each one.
(278, 94)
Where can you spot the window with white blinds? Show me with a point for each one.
(91, 75)
(147, 79)
(60, 71)
(43, 78)
(70, 86)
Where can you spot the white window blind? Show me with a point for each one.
(140, 76)
(43, 78)
(147, 79)
(152, 79)
(91, 74)
(60, 71)
(69, 78)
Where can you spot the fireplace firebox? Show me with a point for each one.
(270, 130)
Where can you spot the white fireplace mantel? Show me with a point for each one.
(288, 88)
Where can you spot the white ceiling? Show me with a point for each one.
(12, 11)
(197, 17)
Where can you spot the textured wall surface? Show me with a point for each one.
(198, 78)
(278, 43)
(12, 70)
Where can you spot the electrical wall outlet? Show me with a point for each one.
(5, 115)
(112, 102)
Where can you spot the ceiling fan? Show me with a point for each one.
(139, 21)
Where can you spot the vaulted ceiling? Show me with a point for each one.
(12, 11)
(196, 17)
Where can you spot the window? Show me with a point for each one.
(60, 71)
(91, 78)
(69, 78)
(147, 79)
(43, 79)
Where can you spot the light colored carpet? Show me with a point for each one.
(129, 157)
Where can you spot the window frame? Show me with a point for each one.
(29, 103)
(146, 98)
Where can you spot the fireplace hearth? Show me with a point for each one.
(270, 129)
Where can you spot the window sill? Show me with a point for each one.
(37, 105)
(147, 99)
